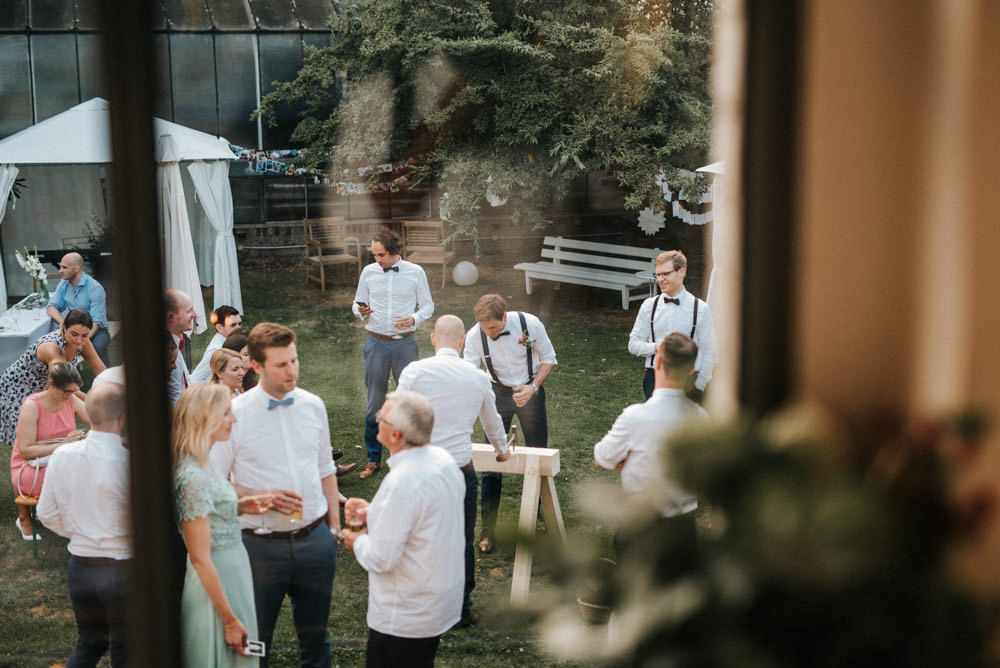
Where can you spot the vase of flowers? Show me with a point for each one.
(33, 266)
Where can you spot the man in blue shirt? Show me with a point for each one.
(78, 290)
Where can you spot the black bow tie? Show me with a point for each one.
(503, 333)
(675, 301)
(395, 269)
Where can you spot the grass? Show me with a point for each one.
(595, 378)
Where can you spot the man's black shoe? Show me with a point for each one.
(337, 454)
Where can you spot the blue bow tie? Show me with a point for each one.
(274, 403)
(668, 300)
(387, 269)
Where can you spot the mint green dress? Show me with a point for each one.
(203, 492)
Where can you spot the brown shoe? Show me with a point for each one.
(344, 469)
(469, 618)
(370, 469)
(485, 543)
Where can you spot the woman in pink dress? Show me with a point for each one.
(47, 420)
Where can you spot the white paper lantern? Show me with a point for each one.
(465, 274)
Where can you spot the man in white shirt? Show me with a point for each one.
(635, 445)
(226, 320)
(459, 393)
(393, 294)
(281, 445)
(518, 356)
(674, 310)
(180, 319)
(412, 548)
(86, 499)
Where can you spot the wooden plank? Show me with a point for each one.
(598, 260)
(584, 275)
(617, 249)
(521, 578)
(484, 460)
(551, 510)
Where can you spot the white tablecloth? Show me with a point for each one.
(20, 327)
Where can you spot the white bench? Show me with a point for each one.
(610, 266)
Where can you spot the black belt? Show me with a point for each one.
(287, 535)
(96, 561)
(468, 468)
(391, 337)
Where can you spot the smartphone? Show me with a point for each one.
(255, 648)
(362, 304)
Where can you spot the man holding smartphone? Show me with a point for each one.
(393, 294)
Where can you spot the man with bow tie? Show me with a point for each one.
(393, 294)
(518, 355)
(280, 445)
(674, 310)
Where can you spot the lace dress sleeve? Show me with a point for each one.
(193, 492)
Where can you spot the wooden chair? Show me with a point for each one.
(327, 243)
(30, 502)
(423, 243)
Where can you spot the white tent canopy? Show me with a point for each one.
(81, 136)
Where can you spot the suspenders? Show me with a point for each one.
(489, 358)
(694, 321)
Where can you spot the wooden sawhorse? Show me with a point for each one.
(538, 466)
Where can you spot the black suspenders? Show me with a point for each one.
(489, 358)
(694, 322)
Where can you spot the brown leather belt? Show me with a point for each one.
(96, 561)
(391, 337)
(287, 535)
(467, 468)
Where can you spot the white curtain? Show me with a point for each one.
(180, 269)
(211, 182)
(8, 174)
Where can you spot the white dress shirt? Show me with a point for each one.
(391, 294)
(414, 548)
(86, 496)
(458, 392)
(638, 438)
(508, 355)
(203, 372)
(672, 318)
(179, 377)
(113, 374)
(287, 447)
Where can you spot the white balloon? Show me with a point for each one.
(465, 273)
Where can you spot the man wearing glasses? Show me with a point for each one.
(674, 310)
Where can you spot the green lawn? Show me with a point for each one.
(594, 380)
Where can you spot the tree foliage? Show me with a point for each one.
(516, 96)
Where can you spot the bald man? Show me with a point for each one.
(77, 289)
(459, 393)
(180, 320)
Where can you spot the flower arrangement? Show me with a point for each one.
(33, 266)
(525, 340)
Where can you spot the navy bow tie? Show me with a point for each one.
(503, 333)
(676, 301)
(395, 269)
(274, 403)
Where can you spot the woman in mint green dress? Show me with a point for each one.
(217, 609)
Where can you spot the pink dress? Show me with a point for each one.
(50, 425)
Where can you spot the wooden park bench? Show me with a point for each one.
(610, 266)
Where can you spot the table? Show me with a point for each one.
(21, 326)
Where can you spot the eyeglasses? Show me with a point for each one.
(664, 274)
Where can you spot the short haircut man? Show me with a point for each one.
(517, 353)
(226, 320)
(180, 317)
(394, 296)
(459, 393)
(412, 548)
(281, 443)
(77, 289)
(673, 310)
(86, 499)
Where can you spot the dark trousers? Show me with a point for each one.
(671, 543)
(648, 382)
(101, 340)
(534, 426)
(386, 651)
(381, 358)
(471, 492)
(303, 569)
(98, 596)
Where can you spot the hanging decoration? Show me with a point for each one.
(692, 212)
(651, 221)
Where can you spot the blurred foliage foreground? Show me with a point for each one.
(819, 546)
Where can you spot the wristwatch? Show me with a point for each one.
(338, 534)
(535, 387)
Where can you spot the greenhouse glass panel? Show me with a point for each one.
(316, 40)
(88, 15)
(192, 71)
(15, 85)
(237, 93)
(274, 14)
(91, 79)
(280, 60)
(314, 14)
(56, 85)
(14, 16)
(229, 15)
(51, 15)
(163, 103)
(187, 14)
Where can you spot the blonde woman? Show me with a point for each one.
(217, 610)
(227, 369)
